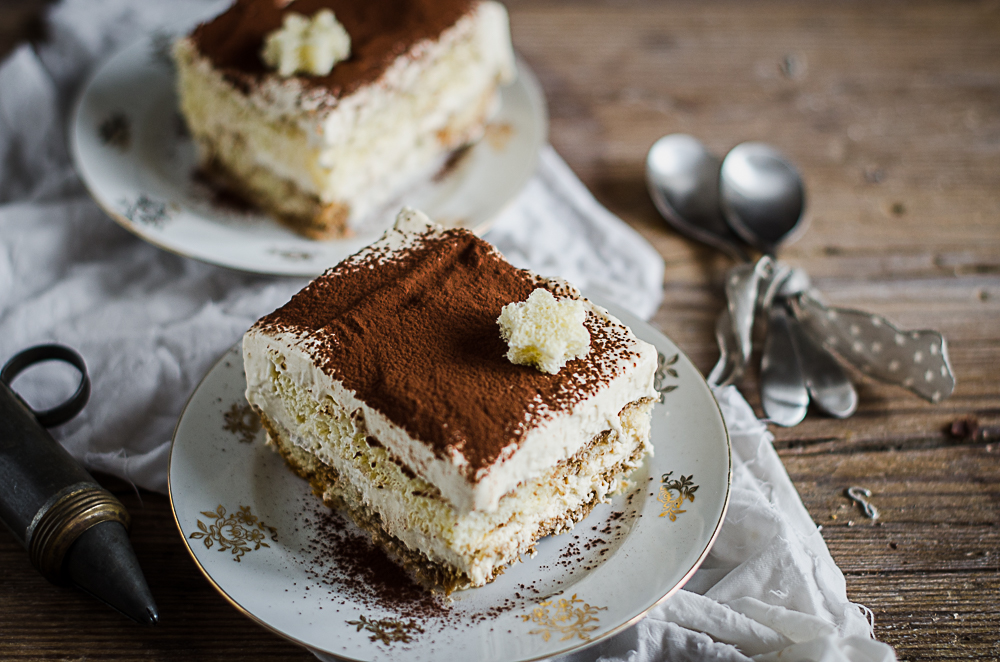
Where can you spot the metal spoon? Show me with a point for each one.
(761, 194)
(683, 181)
(784, 393)
(763, 198)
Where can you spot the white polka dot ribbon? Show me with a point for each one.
(917, 360)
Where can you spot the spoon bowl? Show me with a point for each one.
(761, 195)
(683, 181)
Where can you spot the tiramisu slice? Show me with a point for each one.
(320, 111)
(387, 383)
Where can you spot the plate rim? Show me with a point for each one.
(526, 79)
(615, 311)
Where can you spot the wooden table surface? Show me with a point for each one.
(892, 113)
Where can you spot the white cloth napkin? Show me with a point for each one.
(150, 324)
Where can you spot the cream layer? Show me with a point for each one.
(475, 544)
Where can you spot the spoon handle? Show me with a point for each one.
(917, 360)
(830, 387)
(729, 368)
(735, 324)
(783, 391)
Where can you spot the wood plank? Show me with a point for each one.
(934, 616)
(20, 20)
(901, 548)
(922, 487)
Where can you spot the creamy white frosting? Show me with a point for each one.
(477, 542)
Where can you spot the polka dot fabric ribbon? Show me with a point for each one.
(917, 360)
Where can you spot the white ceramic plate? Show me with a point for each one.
(132, 151)
(244, 517)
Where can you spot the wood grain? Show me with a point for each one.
(892, 112)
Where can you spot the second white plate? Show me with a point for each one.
(131, 149)
(271, 548)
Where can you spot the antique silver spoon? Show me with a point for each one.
(683, 180)
(762, 198)
(828, 383)
(761, 195)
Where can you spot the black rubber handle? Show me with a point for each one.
(39, 353)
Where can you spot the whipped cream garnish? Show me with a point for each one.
(544, 332)
(413, 220)
(310, 46)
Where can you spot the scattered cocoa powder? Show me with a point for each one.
(343, 559)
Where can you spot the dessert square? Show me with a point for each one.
(321, 151)
(386, 383)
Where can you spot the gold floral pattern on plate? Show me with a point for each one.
(388, 630)
(564, 617)
(665, 369)
(673, 492)
(234, 532)
(148, 211)
(242, 421)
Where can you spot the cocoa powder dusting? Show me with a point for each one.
(360, 578)
(344, 560)
(414, 334)
(380, 31)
